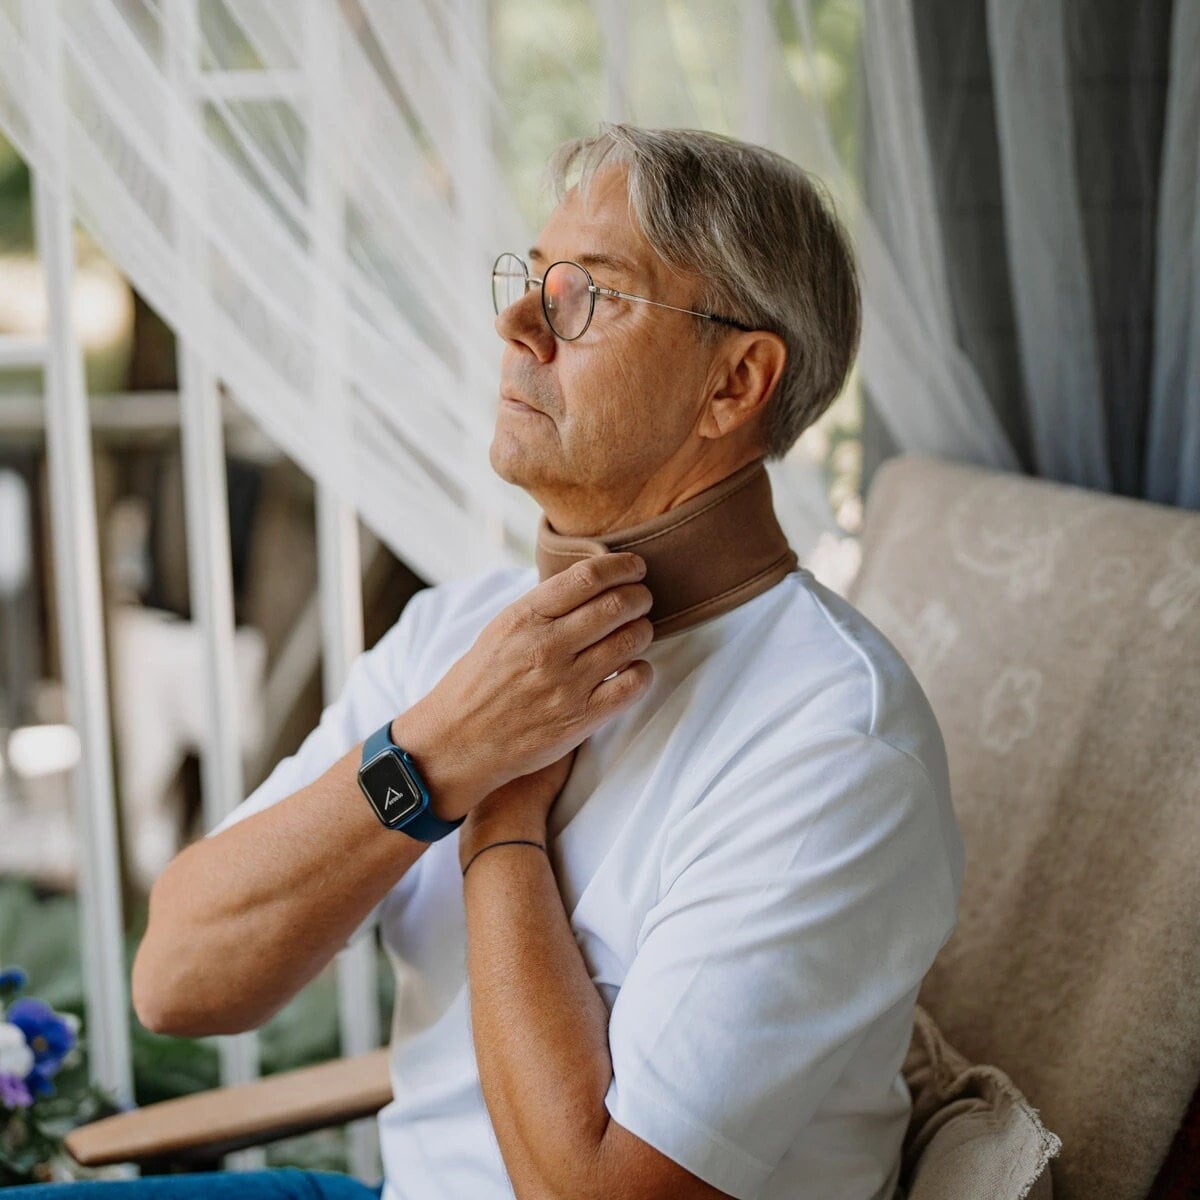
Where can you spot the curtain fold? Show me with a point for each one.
(1043, 221)
(1061, 173)
(1173, 441)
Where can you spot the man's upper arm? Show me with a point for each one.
(376, 690)
(803, 896)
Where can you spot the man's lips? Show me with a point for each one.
(515, 402)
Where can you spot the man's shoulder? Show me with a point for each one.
(450, 614)
(845, 696)
(812, 719)
(815, 654)
(479, 594)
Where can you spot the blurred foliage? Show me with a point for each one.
(40, 933)
(102, 300)
(548, 71)
(16, 209)
(31, 1139)
(837, 37)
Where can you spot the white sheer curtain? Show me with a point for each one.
(311, 194)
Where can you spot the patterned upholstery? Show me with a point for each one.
(1056, 631)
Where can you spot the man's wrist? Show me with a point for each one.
(453, 778)
(477, 834)
(465, 860)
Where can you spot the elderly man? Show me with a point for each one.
(657, 831)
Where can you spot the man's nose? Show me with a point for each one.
(523, 323)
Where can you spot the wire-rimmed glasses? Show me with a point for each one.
(568, 295)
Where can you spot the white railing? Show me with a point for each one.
(81, 624)
(78, 585)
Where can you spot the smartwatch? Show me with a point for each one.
(396, 791)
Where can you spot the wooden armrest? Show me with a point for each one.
(213, 1123)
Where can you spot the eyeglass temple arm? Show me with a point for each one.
(603, 291)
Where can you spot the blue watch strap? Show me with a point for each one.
(425, 824)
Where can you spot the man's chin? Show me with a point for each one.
(514, 462)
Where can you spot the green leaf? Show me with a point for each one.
(42, 937)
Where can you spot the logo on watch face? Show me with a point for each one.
(386, 783)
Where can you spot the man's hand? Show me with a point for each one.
(544, 673)
(518, 809)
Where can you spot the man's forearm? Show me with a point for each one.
(241, 921)
(540, 1026)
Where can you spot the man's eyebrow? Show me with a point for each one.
(597, 258)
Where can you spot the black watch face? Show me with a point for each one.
(392, 792)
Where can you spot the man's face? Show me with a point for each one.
(610, 408)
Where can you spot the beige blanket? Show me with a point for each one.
(1056, 632)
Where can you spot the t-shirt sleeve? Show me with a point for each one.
(802, 897)
(377, 689)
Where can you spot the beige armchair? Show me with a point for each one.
(1057, 634)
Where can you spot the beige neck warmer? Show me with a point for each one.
(703, 557)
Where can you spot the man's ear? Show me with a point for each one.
(745, 373)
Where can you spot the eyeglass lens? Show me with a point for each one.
(508, 281)
(566, 296)
(566, 299)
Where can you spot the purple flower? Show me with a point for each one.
(50, 1037)
(14, 1093)
(38, 1082)
(12, 979)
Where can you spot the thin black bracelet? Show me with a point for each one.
(513, 842)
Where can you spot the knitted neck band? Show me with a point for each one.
(709, 554)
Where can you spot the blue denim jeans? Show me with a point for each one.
(275, 1183)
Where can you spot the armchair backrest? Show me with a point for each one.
(1056, 632)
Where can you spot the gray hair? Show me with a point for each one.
(763, 236)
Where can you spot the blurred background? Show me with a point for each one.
(247, 365)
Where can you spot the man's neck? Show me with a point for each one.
(595, 514)
(708, 554)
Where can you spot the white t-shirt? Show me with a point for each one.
(759, 860)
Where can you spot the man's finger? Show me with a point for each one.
(566, 591)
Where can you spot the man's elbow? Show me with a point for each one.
(167, 1000)
(167, 1010)
(157, 1003)
(157, 1016)
(152, 1001)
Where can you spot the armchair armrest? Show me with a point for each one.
(216, 1122)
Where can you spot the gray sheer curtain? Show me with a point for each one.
(1057, 174)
